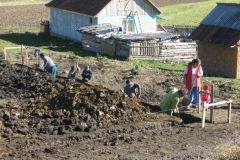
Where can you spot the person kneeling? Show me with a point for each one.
(87, 73)
(170, 101)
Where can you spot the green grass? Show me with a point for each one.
(46, 43)
(190, 13)
(165, 65)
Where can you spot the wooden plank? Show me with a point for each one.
(12, 47)
(218, 103)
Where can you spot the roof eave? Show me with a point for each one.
(75, 12)
(154, 6)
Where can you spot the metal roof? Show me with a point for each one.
(215, 34)
(145, 36)
(85, 7)
(220, 26)
(98, 29)
(224, 15)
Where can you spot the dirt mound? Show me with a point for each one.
(40, 103)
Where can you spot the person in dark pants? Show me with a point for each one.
(49, 65)
(87, 73)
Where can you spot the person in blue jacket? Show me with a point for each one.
(87, 73)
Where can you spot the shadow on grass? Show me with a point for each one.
(46, 42)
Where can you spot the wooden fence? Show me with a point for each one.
(211, 105)
(177, 29)
(175, 51)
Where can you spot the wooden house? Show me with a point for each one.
(218, 39)
(133, 16)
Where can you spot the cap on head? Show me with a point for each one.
(206, 87)
(127, 81)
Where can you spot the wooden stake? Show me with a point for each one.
(203, 114)
(5, 53)
(212, 101)
(199, 95)
(229, 112)
(26, 55)
(22, 54)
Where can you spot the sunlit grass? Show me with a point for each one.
(190, 13)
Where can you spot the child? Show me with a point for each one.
(72, 73)
(206, 97)
(87, 73)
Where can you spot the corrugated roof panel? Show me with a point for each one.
(217, 37)
(205, 32)
(196, 32)
(227, 36)
(224, 15)
(234, 39)
(209, 36)
(86, 7)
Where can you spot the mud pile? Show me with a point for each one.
(36, 102)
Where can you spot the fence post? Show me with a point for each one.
(229, 112)
(199, 102)
(212, 101)
(22, 54)
(203, 114)
(26, 54)
(5, 53)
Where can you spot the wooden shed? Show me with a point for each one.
(218, 40)
(107, 39)
(133, 16)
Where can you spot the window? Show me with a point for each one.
(128, 25)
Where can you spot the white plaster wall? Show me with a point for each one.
(63, 24)
(147, 23)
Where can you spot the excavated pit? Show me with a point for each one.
(34, 102)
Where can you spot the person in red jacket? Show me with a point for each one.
(192, 79)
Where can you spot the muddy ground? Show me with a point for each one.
(42, 117)
(46, 118)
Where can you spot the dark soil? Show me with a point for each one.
(46, 118)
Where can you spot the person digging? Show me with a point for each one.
(130, 90)
(169, 103)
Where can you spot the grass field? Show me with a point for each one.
(190, 13)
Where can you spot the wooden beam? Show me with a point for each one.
(229, 112)
(212, 101)
(218, 103)
(203, 114)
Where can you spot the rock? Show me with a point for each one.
(113, 108)
(100, 113)
(23, 130)
(6, 116)
(102, 95)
